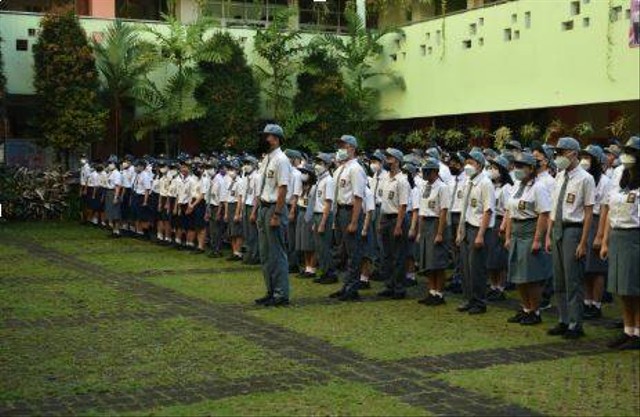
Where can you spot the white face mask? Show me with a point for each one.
(562, 162)
(211, 172)
(494, 174)
(111, 167)
(320, 169)
(83, 161)
(125, 165)
(164, 170)
(375, 167)
(628, 160)
(305, 177)
(519, 174)
(342, 155)
(232, 174)
(585, 163)
(247, 169)
(470, 170)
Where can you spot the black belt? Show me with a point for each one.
(345, 206)
(389, 215)
(571, 225)
(524, 220)
(265, 204)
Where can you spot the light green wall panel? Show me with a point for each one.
(545, 67)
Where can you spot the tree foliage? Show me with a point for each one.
(230, 97)
(3, 84)
(124, 61)
(66, 83)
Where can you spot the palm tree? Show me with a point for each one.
(124, 61)
(179, 48)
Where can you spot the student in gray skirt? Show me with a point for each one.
(527, 217)
(113, 196)
(304, 229)
(621, 244)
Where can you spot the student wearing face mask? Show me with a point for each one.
(595, 268)
(567, 236)
(232, 213)
(164, 216)
(434, 236)
(476, 221)
(304, 228)
(323, 218)
(112, 198)
(128, 173)
(377, 175)
(393, 226)
(496, 252)
(621, 244)
(215, 213)
(456, 191)
(102, 188)
(410, 172)
(527, 214)
(250, 231)
(350, 190)
(141, 190)
(85, 171)
(293, 195)
(159, 171)
(93, 184)
(183, 191)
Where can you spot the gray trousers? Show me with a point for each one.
(353, 247)
(474, 266)
(394, 253)
(273, 252)
(250, 231)
(323, 242)
(217, 229)
(377, 239)
(292, 253)
(455, 251)
(568, 276)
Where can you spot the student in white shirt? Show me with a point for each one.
(196, 211)
(113, 197)
(323, 218)
(141, 190)
(233, 209)
(252, 175)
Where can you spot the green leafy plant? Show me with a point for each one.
(416, 139)
(620, 127)
(434, 135)
(230, 97)
(554, 131)
(528, 133)
(67, 84)
(454, 139)
(124, 61)
(583, 130)
(501, 137)
(3, 85)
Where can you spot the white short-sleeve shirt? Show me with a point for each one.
(481, 199)
(114, 179)
(351, 181)
(602, 192)
(535, 200)
(295, 184)
(325, 190)
(395, 193)
(374, 184)
(183, 188)
(433, 198)
(624, 208)
(580, 193)
(456, 191)
(502, 196)
(275, 173)
(142, 182)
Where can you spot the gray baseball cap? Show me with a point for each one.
(431, 163)
(526, 159)
(568, 144)
(632, 144)
(349, 140)
(594, 151)
(394, 153)
(273, 129)
(324, 157)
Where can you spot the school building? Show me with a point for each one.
(476, 62)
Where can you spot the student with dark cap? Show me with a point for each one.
(252, 175)
(595, 270)
(113, 196)
(393, 226)
(434, 236)
(293, 194)
(128, 173)
(304, 228)
(159, 171)
(85, 172)
(567, 238)
(323, 217)
(378, 172)
(183, 191)
(350, 190)
(272, 217)
(196, 212)
(621, 244)
(476, 221)
(527, 217)
(141, 192)
(497, 254)
(215, 212)
(457, 187)
(233, 210)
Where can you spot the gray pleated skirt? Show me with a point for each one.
(112, 211)
(624, 264)
(432, 257)
(235, 228)
(304, 235)
(497, 254)
(594, 264)
(524, 266)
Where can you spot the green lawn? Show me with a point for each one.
(67, 330)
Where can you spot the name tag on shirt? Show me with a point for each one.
(631, 198)
(522, 205)
(270, 173)
(391, 195)
(459, 194)
(233, 193)
(380, 192)
(432, 204)
(474, 203)
(343, 183)
(571, 198)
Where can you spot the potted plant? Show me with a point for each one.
(620, 127)
(583, 130)
(528, 133)
(554, 131)
(478, 136)
(434, 136)
(454, 139)
(501, 137)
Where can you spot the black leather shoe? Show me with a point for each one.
(277, 302)
(618, 341)
(386, 293)
(263, 300)
(365, 285)
(477, 309)
(437, 301)
(531, 319)
(426, 300)
(337, 294)
(399, 296)
(573, 334)
(592, 313)
(327, 279)
(559, 330)
(464, 307)
(349, 296)
(633, 343)
(517, 318)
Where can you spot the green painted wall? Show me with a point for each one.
(546, 67)
(542, 66)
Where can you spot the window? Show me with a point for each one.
(627, 14)
(481, 41)
(397, 43)
(586, 22)
(404, 55)
(22, 45)
(527, 20)
(575, 8)
(514, 18)
(568, 25)
(32, 32)
(516, 35)
(473, 29)
(615, 13)
(394, 57)
(586, 1)
(423, 49)
(428, 36)
(438, 37)
(481, 21)
(430, 50)
(507, 35)
(466, 44)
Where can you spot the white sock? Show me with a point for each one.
(312, 270)
(636, 331)
(628, 330)
(432, 292)
(140, 233)
(159, 236)
(167, 239)
(238, 253)
(116, 231)
(364, 278)
(588, 302)
(438, 293)
(178, 241)
(526, 310)
(190, 244)
(411, 276)
(499, 288)
(597, 304)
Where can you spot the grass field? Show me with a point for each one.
(97, 326)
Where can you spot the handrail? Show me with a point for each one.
(457, 12)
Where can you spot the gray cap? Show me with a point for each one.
(433, 153)
(324, 157)
(349, 140)
(394, 153)
(410, 167)
(490, 153)
(431, 163)
(477, 156)
(293, 154)
(501, 162)
(633, 144)
(307, 168)
(526, 159)
(248, 159)
(509, 156)
(569, 144)
(378, 155)
(273, 129)
(594, 151)
(514, 144)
